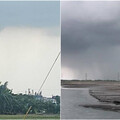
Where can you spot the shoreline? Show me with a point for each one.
(108, 107)
(106, 92)
(88, 83)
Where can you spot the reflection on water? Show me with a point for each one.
(71, 98)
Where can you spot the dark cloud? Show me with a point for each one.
(91, 38)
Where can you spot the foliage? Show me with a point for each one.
(18, 103)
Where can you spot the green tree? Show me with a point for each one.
(6, 99)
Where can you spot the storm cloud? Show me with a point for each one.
(90, 39)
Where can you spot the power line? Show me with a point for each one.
(118, 76)
(49, 72)
(85, 76)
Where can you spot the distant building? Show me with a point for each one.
(50, 99)
(38, 96)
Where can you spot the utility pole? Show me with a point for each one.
(85, 76)
(118, 76)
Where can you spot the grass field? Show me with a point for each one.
(30, 116)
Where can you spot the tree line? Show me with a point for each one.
(11, 103)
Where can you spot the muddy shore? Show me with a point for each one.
(88, 83)
(106, 92)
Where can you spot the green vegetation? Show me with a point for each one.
(31, 116)
(11, 104)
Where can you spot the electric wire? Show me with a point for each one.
(43, 82)
(49, 72)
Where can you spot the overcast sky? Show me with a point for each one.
(90, 39)
(29, 44)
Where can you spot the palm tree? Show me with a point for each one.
(6, 99)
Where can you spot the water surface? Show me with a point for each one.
(71, 98)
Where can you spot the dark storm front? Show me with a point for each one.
(90, 45)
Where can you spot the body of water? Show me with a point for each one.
(71, 98)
